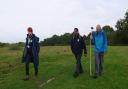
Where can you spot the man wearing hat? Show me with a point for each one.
(31, 52)
(77, 46)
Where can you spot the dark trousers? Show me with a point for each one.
(99, 63)
(27, 65)
(79, 68)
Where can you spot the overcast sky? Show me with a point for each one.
(49, 17)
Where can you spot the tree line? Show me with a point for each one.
(118, 36)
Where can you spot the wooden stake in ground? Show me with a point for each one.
(91, 53)
(90, 59)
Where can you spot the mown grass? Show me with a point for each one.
(58, 62)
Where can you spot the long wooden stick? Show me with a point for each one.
(90, 57)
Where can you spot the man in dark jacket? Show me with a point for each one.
(31, 52)
(77, 46)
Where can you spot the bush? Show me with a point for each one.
(14, 47)
(3, 44)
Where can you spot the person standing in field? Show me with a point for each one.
(77, 46)
(31, 52)
(99, 40)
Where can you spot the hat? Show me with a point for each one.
(30, 29)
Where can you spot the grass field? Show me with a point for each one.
(57, 63)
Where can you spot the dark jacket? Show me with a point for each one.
(77, 45)
(35, 50)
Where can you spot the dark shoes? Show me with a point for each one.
(95, 77)
(26, 78)
(75, 75)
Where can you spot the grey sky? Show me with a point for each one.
(48, 17)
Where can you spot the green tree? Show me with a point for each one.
(57, 40)
(110, 34)
(108, 28)
(122, 30)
